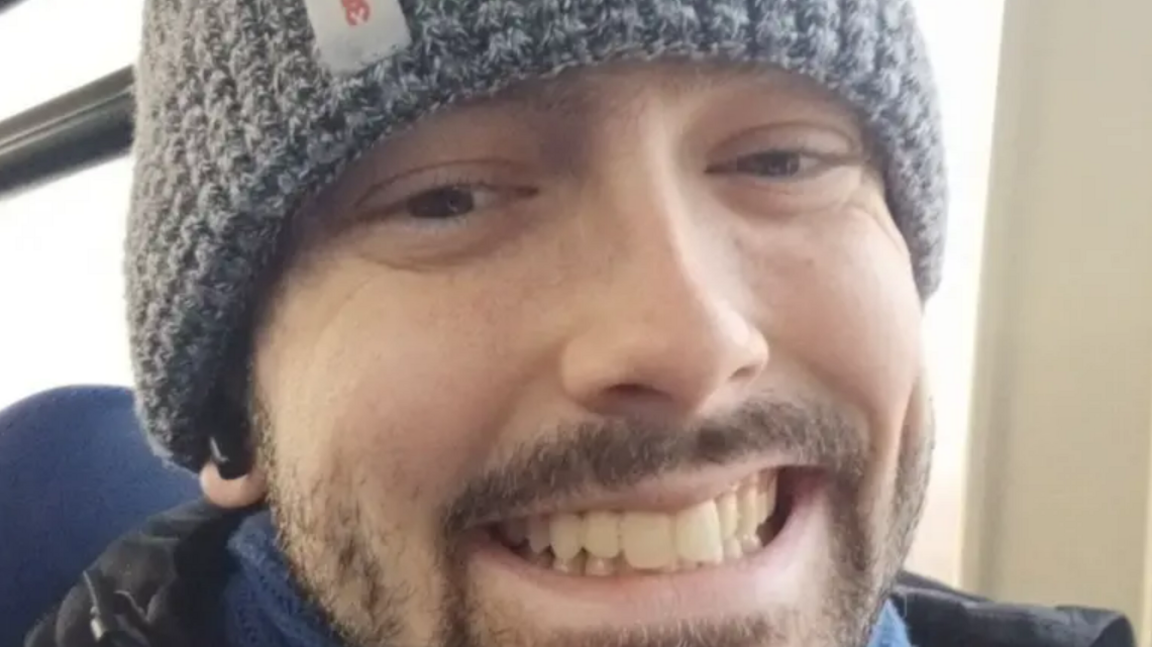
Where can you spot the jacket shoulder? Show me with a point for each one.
(152, 586)
(938, 616)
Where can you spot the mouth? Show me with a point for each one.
(717, 545)
(729, 528)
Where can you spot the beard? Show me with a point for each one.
(347, 565)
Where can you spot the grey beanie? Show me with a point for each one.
(247, 108)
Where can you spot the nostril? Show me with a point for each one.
(638, 400)
(746, 373)
(657, 374)
(756, 353)
(633, 391)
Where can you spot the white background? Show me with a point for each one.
(62, 316)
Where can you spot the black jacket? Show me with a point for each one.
(156, 587)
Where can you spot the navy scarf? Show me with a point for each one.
(262, 607)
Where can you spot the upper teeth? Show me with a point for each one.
(603, 542)
(602, 534)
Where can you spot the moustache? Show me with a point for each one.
(615, 453)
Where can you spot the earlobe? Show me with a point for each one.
(239, 492)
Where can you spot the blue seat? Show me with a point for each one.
(75, 473)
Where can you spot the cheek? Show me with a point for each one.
(841, 300)
(366, 373)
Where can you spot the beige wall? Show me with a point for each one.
(1060, 481)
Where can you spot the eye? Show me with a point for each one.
(772, 164)
(448, 202)
(444, 214)
(443, 194)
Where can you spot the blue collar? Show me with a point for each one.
(890, 630)
(262, 606)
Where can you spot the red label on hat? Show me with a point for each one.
(354, 34)
(356, 12)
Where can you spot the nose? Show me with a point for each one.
(667, 337)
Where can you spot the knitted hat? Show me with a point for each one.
(247, 108)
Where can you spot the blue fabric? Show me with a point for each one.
(890, 631)
(75, 474)
(262, 607)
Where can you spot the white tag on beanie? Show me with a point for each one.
(353, 34)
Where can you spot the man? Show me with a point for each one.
(537, 323)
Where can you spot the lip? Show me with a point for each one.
(668, 493)
(777, 575)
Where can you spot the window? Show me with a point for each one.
(64, 319)
(964, 42)
(48, 47)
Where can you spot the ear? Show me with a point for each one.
(241, 492)
(231, 477)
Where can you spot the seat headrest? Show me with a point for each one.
(75, 473)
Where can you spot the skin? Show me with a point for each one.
(652, 252)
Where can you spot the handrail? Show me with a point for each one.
(8, 4)
(90, 124)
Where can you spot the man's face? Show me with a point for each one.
(629, 357)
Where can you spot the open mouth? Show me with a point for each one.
(733, 526)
